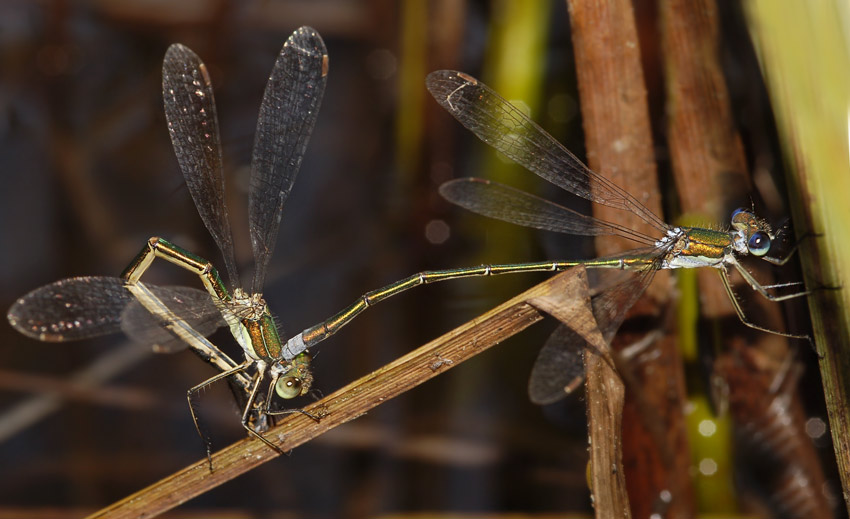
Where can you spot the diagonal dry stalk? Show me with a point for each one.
(605, 396)
(567, 292)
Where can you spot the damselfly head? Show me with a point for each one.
(746, 220)
(289, 387)
(298, 379)
(753, 233)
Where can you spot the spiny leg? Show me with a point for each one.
(762, 289)
(790, 253)
(783, 285)
(181, 329)
(266, 407)
(189, 397)
(742, 316)
(783, 260)
(309, 415)
(160, 248)
(246, 413)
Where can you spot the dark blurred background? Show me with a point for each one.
(89, 174)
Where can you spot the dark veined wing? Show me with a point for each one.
(503, 126)
(71, 309)
(193, 125)
(502, 202)
(559, 367)
(85, 307)
(195, 307)
(287, 116)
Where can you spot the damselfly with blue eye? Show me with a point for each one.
(504, 127)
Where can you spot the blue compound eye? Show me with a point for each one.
(741, 218)
(759, 243)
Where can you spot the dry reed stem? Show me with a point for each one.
(359, 397)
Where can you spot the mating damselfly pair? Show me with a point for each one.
(171, 318)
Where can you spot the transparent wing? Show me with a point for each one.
(559, 367)
(502, 202)
(85, 307)
(193, 125)
(71, 309)
(503, 126)
(612, 304)
(287, 116)
(191, 305)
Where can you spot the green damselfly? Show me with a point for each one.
(503, 126)
(494, 120)
(173, 318)
(507, 129)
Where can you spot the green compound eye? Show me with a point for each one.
(288, 387)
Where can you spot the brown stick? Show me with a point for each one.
(705, 148)
(618, 134)
(362, 395)
(605, 396)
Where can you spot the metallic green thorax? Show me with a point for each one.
(264, 339)
(705, 245)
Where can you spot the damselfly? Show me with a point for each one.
(503, 126)
(507, 129)
(176, 317)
